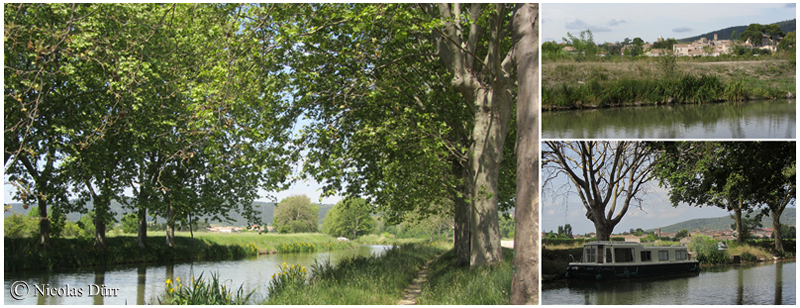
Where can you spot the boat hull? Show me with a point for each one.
(620, 271)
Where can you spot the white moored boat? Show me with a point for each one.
(620, 260)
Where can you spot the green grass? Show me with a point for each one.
(362, 280)
(450, 285)
(568, 84)
(23, 254)
(390, 239)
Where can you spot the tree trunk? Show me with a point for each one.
(142, 234)
(737, 213)
(101, 206)
(525, 283)
(461, 211)
(170, 225)
(44, 224)
(602, 229)
(776, 226)
(491, 127)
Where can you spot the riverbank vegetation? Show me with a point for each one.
(22, 253)
(199, 291)
(362, 280)
(583, 78)
(449, 284)
(603, 84)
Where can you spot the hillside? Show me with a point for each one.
(725, 34)
(724, 223)
(266, 208)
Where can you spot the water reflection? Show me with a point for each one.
(144, 283)
(771, 283)
(737, 120)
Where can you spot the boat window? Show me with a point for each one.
(590, 255)
(646, 256)
(608, 255)
(623, 255)
(680, 255)
(663, 255)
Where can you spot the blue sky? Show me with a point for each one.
(615, 22)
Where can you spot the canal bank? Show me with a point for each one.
(72, 253)
(145, 283)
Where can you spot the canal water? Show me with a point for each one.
(144, 283)
(775, 119)
(773, 283)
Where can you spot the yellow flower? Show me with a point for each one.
(178, 279)
(171, 290)
(168, 281)
(273, 276)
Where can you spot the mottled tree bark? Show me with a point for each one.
(525, 283)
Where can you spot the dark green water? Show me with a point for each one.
(144, 283)
(773, 283)
(774, 119)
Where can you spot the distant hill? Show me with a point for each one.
(725, 34)
(266, 208)
(724, 223)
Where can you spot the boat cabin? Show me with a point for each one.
(629, 252)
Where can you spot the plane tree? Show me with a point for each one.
(730, 175)
(609, 177)
(773, 166)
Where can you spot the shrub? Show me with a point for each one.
(707, 250)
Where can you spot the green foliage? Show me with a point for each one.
(295, 214)
(202, 292)
(507, 226)
(130, 223)
(681, 234)
(787, 232)
(707, 250)
(585, 47)
(18, 226)
(349, 218)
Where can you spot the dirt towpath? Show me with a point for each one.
(413, 291)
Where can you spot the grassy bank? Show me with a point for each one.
(569, 84)
(373, 239)
(355, 281)
(450, 285)
(22, 253)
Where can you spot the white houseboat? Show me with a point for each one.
(620, 260)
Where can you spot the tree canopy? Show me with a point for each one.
(349, 218)
(296, 214)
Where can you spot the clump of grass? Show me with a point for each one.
(451, 285)
(363, 280)
(290, 277)
(707, 250)
(202, 292)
